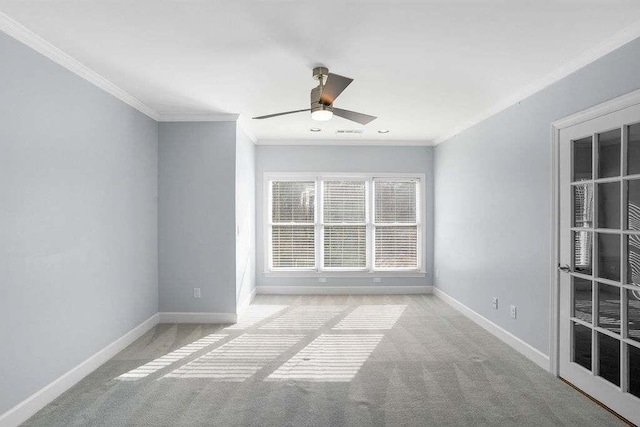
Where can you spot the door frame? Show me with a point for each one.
(611, 106)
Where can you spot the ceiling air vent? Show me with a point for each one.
(349, 132)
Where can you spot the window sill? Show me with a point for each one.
(345, 274)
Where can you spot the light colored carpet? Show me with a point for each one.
(324, 361)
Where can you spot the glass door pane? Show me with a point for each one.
(609, 358)
(609, 256)
(609, 307)
(609, 205)
(609, 154)
(582, 159)
(633, 260)
(633, 149)
(633, 204)
(583, 205)
(633, 314)
(634, 370)
(582, 249)
(582, 345)
(582, 299)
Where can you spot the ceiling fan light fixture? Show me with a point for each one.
(321, 115)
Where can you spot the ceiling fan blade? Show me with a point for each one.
(363, 119)
(281, 114)
(333, 87)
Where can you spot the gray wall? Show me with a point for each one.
(197, 219)
(78, 230)
(343, 159)
(493, 198)
(245, 217)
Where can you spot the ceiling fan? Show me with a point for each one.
(323, 96)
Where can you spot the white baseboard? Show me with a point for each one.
(169, 317)
(533, 354)
(245, 303)
(343, 290)
(28, 407)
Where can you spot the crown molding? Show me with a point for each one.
(618, 40)
(19, 32)
(343, 142)
(197, 117)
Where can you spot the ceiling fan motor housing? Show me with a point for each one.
(320, 72)
(316, 104)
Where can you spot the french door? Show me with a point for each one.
(599, 346)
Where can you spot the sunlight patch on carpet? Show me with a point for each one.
(330, 358)
(238, 359)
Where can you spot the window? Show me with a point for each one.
(343, 223)
(396, 224)
(293, 224)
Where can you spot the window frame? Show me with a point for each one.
(320, 261)
(417, 224)
(319, 270)
(270, 223)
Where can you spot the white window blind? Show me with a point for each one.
(293, 246)
(344, 224)
(583, 211)
(293, 224)
(396, 224)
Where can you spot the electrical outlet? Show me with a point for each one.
(377, 279)
(494, 303)
(437, 273)
(322, 279)
(514, 312)
(196, 292)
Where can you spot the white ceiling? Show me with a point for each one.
(425, 68)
